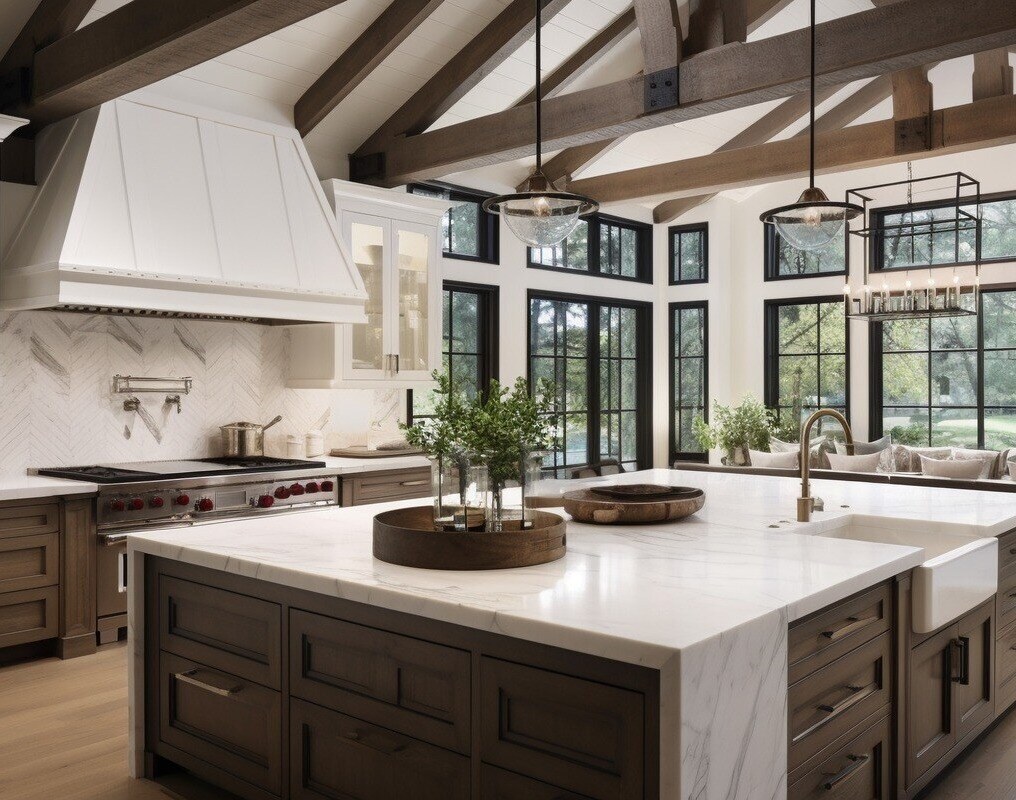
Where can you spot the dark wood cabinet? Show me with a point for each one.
(418, 688)
(335, 756)
(950, 693)
(221, 721)
(289, 694)
(856, 767)
(31, 615)
(29, 562)
(384, 487)
(577, 734)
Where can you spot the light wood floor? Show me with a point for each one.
(63, 736)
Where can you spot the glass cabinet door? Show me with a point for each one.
(413, 265)
(367, 345)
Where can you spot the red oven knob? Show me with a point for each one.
(266, 501)
(282, 493)
(156, 502)
(312, 487)
(182, 500)
(136, 504)
(117, 505)
(296, 490)
(205, 504)
(327, 486)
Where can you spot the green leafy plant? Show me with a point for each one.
(441, 434)
(749, 425)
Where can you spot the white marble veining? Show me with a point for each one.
(28, 487)
(705, 600)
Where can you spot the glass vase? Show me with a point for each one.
(509, 509)
(459, 488)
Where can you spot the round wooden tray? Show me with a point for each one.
(587, 506)
(406, 536)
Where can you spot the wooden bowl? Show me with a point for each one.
(586, 505)
(406, 536)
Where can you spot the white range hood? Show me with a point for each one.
(172, 210)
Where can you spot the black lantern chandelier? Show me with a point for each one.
(539, 215)
(814, 220)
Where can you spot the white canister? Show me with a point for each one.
(294, 447)
(315, 444)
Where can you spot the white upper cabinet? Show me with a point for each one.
(393, 238)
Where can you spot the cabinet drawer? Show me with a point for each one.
(499, 784)
(29, 562)
(408, 685)
(1006, 549)
(856, 770)
(223, 720)
(819, 640)
(29, 616)
(1005, 601)
(387, 486)
(583, 736)
(1005, 669)
(232, 632)
(829, 702)
(335, 756)
(27, 520)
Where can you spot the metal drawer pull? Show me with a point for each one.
(846, 702)
(382, 747)
(856, 762)
(960, 660)
(855, 624)
(1012, 551)
(188, 678)
(414, 483)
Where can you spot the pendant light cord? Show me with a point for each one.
(811, 127)
(539, 88)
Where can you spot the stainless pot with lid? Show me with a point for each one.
(245, 438)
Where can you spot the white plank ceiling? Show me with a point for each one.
(267, 76)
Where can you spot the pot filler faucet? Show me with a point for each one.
(806, 503)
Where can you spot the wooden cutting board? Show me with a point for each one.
(589, 505)
(363, 452)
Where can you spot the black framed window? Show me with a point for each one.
(689, 253)
(928, 235)
(608, 247)
(596, 354)
(469, 352)
(807, 362)
(783, 262)
(468, 232)
(689, 377)
(948, 381)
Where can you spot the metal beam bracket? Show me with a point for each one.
(662, 89)
(367, 168)
(15, 88)
(913, 135)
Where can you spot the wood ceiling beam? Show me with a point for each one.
(863, 45)
(993, 77)
(481, 56)
(660, 31)
(51, 20)
(586, 56)
(145, 41)
(984, 123)
(358, 60)
(758, 12)
(706, 30)
(780, 118)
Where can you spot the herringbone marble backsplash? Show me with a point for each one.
(57, 406)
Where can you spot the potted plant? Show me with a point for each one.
(736, 430)
(506, 428)
(458, 483)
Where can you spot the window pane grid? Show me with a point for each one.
(688, 374)
(784, 261)
(689, 257)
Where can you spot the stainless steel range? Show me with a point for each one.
(167, 494)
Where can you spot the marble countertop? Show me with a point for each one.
(637, 594)
(348, 466)
(28, 487)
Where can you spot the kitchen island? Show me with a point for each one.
(677, 634)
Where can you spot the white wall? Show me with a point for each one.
(746, 291)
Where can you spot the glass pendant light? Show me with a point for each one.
(539, 215)
(814, 220)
